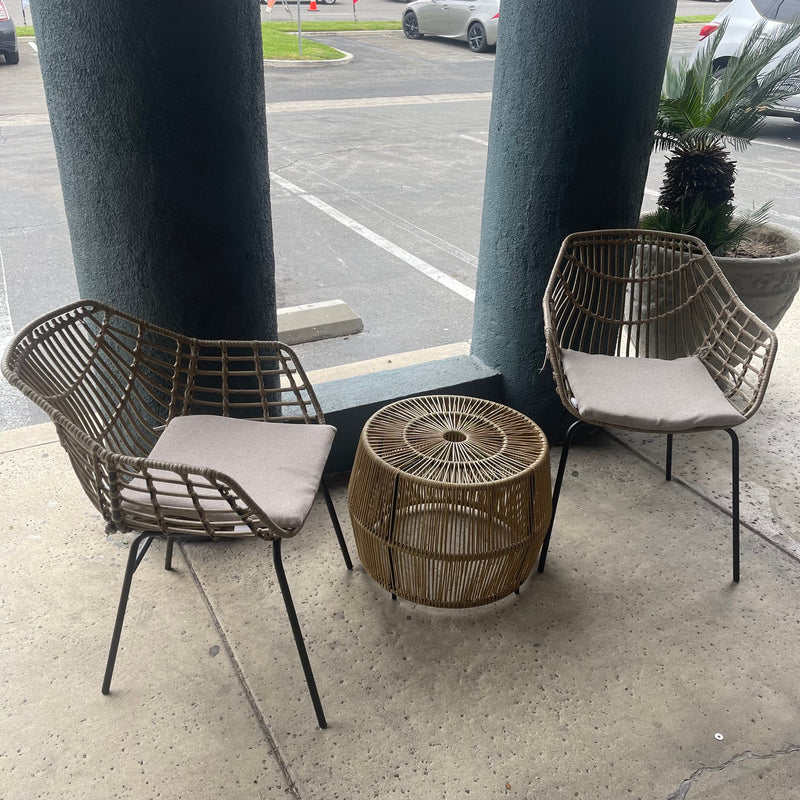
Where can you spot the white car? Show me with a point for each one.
(472, 21)
(742, 17)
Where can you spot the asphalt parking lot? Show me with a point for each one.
(377, 184)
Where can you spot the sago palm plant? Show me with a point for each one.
(706, 109)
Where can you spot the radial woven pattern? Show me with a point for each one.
(450, 499)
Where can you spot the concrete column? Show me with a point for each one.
(158, 118)
(576, 88)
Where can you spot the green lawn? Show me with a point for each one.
(279, 43)
(313, 25)
(284, 46)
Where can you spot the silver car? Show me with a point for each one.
(743, 16)
(472, 21)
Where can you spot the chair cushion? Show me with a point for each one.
(650, 394)
(278, 464)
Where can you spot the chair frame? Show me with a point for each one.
(111, 383)
(654, 294)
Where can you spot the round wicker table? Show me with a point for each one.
(449, 498)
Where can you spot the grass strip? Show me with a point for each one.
(695, 18)
(315, 25)
(279, 45)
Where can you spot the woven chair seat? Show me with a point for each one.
(647, 393)
(278, 466)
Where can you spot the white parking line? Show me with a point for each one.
(790, 217)
(473, 139)
(374, 102)
(6, 328)
(418, 264)
(34, 46)
(779, 146)
(13, 406)
(371, 207)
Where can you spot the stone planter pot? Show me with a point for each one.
(766, 286)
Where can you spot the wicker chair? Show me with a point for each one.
(178, 437)
(644, 333)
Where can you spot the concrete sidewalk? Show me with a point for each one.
(632, 668)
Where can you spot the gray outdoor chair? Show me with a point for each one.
(178, 437)
(644, 333)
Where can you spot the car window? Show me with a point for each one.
(779, 10)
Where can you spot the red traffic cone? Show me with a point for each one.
(312, 6)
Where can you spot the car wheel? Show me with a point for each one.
(476, 37)
(12, 58)
(411, 26)
(327, 2)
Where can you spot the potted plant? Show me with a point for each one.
(703, 111)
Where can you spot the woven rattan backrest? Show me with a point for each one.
(111, 383)
(651, 294)
(120, 379)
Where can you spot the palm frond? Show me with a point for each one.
(700, 103)
(720, 228)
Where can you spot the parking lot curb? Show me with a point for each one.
(330, 62)
(314, 321)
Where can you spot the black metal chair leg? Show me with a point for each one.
(336, 526)
(735, 500)
(135, 556)
(562, 464)
(168, 557)
(669, 456)
(298, 636)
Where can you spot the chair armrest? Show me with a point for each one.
(563, 388)
(144, 494)
(739, 352)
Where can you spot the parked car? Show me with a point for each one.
(472, 21)
(8, 36)
(742, 16)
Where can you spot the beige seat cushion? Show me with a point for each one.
(650, 394)
(279, 465)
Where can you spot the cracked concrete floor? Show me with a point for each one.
(752, 775)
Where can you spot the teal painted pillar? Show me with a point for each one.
(158, 117)
(576, 89)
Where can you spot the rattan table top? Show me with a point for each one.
(455, 440)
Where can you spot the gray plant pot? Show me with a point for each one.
(766, 286)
